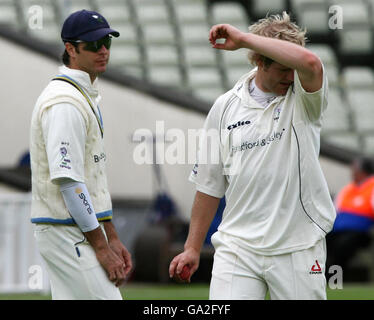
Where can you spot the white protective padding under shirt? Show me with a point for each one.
(79, 204)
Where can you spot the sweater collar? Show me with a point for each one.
(241, 89)
(83, 78)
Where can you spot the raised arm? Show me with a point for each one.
(305, 62)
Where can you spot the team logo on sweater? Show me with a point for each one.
(65, 161)
(63, 152)
(277, 114)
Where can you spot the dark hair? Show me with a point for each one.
(366, 164)
(65, 56)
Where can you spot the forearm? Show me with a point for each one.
(97, 239)
(203, 211)
(117, 246)
(81, 209)
(284, 52)
(116, 267)
(110, 231)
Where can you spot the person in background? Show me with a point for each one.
(355, 215)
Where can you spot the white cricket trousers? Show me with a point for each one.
(239, 274)
(72, 266)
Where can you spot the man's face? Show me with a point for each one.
(275, 77)
(357, 173)
(94, 63)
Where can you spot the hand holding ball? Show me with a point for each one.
(184, 275)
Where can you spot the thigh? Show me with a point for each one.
(57, 250)
(233, 277)
(94, 277)
(299, 275)
(73, 269)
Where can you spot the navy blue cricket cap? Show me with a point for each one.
(86, 26)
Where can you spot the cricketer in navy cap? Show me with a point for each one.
(86, 26)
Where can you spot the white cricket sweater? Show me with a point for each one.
(60, 161)
(277, 199)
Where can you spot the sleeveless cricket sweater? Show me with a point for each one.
(48, 205)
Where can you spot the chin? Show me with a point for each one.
(101, 69)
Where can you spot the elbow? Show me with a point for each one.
(313, 64)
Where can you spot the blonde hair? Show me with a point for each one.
(278, 27)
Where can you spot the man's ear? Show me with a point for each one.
(259, 61)
(71, 50)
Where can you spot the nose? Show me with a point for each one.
(103, 49)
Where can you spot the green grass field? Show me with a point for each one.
(135, 291)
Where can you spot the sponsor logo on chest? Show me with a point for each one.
(238, 124)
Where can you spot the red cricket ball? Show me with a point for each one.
(185, 274)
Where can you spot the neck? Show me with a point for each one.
(259, 83)
(93, 76)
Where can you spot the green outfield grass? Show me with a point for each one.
(135, 291)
